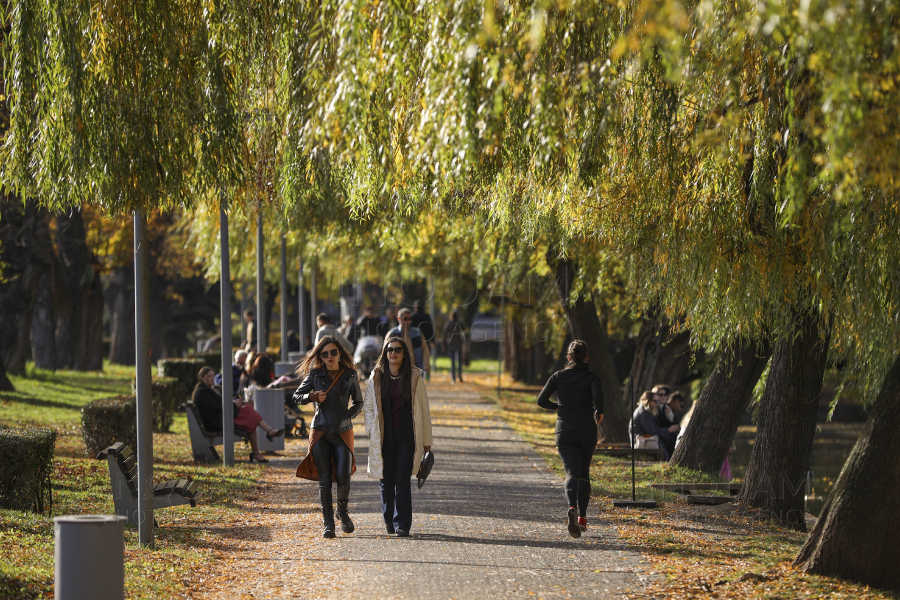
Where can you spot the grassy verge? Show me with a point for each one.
(701, 551)
(476, 365)
(185, 541)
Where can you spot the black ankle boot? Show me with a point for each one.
(327, 514)
(344, 516)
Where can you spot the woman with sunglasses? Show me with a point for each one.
(398, 421)
(330, 382)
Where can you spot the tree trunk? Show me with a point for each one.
(584, 324)
(718, 411)
(857, 535)
(90, 346)
(515, 354)
(5, 384)
(158, 307)
(660, 358)
(121, 308)
(272, 290)
(25, 255)
(43, 325)
(75, 278)
(779, 463)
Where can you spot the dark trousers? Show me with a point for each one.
(576, 449)
(456, 363)
(396, 494)
(331, 447)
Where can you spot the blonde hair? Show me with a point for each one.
(645, 399)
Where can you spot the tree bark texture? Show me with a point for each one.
(25, 255)
(584, 324)
(660, 357)
(776, 475)
(5, 384)
(718, 411)
(43, 324)
(857, 535)
(121, 308)
(524, 353)
(78, 343)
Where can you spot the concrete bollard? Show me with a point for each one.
(90, 557)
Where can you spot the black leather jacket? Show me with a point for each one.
(332, 415)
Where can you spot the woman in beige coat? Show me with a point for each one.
(398, 422)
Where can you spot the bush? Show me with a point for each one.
(166, 395)
(107, 421)
(185, 370)
(25, 468)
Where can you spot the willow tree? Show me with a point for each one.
(724, 150)
(126, 108)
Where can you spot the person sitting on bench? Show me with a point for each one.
(209, 403)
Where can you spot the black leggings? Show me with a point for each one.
(330, 447)
(576, 449)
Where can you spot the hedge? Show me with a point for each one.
(165, 393)
(185, 370)
(107, 421)
(25, 469)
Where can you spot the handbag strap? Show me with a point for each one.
(334, 381)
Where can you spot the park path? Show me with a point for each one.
(488, 523)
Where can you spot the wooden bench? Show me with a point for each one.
(203, 442)
(624, 451)
(123, 476)
(709, 499)
(687, 488)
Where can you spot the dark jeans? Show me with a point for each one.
(396, 495)
(576, 449)
(456, 363)
(331, 449)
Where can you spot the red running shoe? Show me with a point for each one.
(582, 524)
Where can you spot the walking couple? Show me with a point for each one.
(397, 419)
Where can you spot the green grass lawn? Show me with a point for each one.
(184, 542)
(477, 365)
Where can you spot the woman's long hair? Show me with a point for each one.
(200, 377)
(312, 360)
(383, 366)
(263, 370)
(578, 351)
(645, 399)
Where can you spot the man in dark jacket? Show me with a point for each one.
(422, 320)
(367, 324)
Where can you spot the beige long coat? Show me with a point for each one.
(374, 417)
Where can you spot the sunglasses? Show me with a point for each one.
(394, 350)
(327, 353)
(406, 320)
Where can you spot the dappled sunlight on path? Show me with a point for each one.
(488, 523)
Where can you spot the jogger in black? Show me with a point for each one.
(579, 409)
(576, 449)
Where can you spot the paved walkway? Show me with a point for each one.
(488, 523)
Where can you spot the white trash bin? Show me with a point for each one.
(89, 557)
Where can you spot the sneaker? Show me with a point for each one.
(402, 533)
(572, 522)
(389, 529)
(582, 524)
